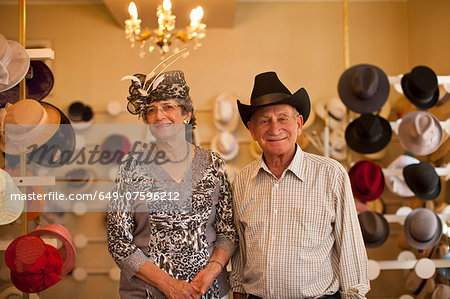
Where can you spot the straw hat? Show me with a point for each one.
(34, 124)
(14, 63)
(226, 145)
(420, 133)
(10, 209)
(337, 145)
(67, 249)
(226, 116)
(336, 112)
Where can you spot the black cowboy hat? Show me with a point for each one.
(268, 90)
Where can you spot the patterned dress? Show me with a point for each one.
(176, 235)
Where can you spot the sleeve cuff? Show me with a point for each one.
(356, 292)
(236, 283)
(131, 265)
(226, 244)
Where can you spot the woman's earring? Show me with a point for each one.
(185, 121)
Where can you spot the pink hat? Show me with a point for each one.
(67, 251)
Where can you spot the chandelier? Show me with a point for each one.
(164, 37)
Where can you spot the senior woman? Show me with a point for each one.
(176, 242)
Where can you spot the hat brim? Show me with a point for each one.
(365, 146)
(413, 242)
(356, 104)
(416, 101)
(37, 88)
(52, 125)
(17, 67)
(299, 100)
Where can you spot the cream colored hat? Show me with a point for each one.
(397, 184)
(420, 133)
(336, 112)
(34, 124)
(337, 145)
(226, 145)
(226, 117)
(10, 209)
(14, 63)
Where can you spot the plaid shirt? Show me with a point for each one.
(299, 235)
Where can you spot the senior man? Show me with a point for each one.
(299, 235)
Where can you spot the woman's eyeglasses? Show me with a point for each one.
(165, 109)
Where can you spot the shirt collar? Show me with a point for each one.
(295, 166)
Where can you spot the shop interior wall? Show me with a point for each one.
(301, 41)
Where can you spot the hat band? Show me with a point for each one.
(270, 98)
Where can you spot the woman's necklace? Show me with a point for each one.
(188, 151)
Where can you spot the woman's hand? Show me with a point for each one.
(178, 289)
(206, 276)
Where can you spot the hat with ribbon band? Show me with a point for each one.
(368, 134)
(367, 180)
(14, 63)
(35, 266)
(363, 88)
(268, 90)
(421, 87)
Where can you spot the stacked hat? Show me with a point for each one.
(225, 144)
(420, 133)
(14, 63)
(39, 83)
(67, 250)
(28, 125)
(423, 180)
(368, 134)
(81, 115)
(396, 184)
(363, 88)
(35, 266)
(374, 228)
(422, 228)
(367, 180)
(334, 109)
(226, 119)
(420, 87)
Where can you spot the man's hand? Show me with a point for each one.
(206, 276)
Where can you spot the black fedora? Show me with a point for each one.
(39, 83)
(363, 88)
(374, 228)
(368, 134)
(423, 180)
(268, 90)
(421, 87)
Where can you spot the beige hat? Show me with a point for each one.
(226, 145)
(10, 209)
(14, 63)
(33, 124)
(337, 145)
(420, 133)
(336, 112)
(226, 117)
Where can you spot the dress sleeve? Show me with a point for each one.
(349, 256)
(226, 234)
(121, 222)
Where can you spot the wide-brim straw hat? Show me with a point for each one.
(39, 83)
(268, 90)
(363, 88)
(336, 111)
(420, 133)
(14, 63)
(33, 125)
(226, 116)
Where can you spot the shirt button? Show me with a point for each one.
(275, 211)
(276, 185)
